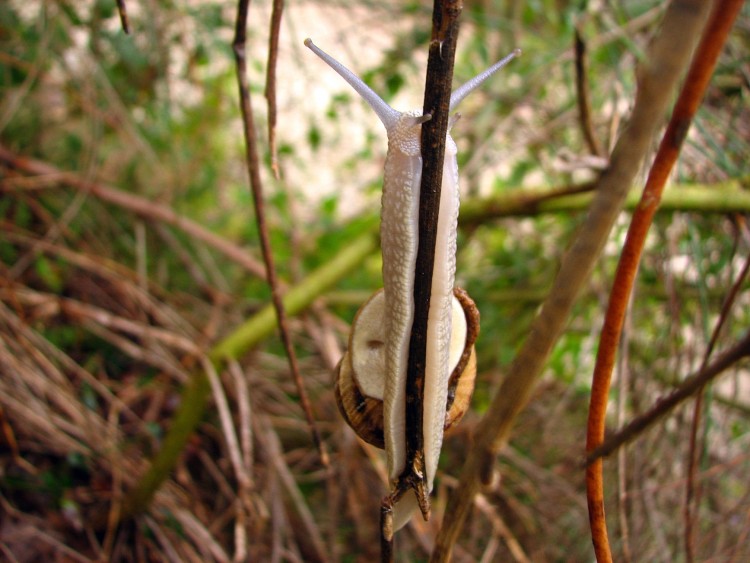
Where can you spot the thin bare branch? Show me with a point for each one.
(273, 56)
(123, 10)
(582, 90)
(687, 388)
(442, 52)
(433, 138)
(253, 169)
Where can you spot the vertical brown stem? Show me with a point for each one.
(437, 104)
(273, 56)
(582, 90)
(124, 21)
(434, 132)
(253, 169)
(386, 530)
(433, 138)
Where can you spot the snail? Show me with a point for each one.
(380, 335)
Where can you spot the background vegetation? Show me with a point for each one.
(129, 249)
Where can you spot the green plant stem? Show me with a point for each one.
(722, 197)
(725, 197)
(196, 393)
(297, 298)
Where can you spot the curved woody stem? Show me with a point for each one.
(687, 104)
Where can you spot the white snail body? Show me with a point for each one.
(399, 239)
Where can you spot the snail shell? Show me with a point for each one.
(360, 375)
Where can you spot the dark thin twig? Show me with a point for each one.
(436, 103)
(438, 84)
(273, 56)
(123, 16)
(386, 530)
(687, 388)
(582, 91)
(253, 168)
(691, 498)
